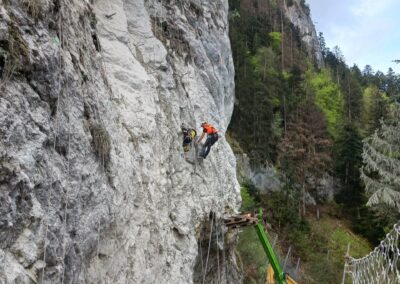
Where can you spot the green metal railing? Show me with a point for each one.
(278, 272)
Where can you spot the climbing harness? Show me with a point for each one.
(189, 135)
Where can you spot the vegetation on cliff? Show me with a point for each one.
(311, 123)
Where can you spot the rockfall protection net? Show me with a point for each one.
(379, 266)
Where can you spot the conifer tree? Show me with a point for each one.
(348, 149)
(375, 108)
(306, 145)
(381, 157)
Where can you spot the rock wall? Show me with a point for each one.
(93, 184)
(300, 17)
(265, 178)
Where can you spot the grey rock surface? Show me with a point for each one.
(264, 178)
(93, 184)
(300, 18)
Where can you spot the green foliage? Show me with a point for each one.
(265, 94)
(284, 107)
(276, 126)
(264, 63)
(327, 98)
(248, 202)
(252, 255)
(234, 15)
(276, 40)
(233, 143)
(251, 252)
(326, 250)
(375, 107)
(347, 156)
(320, 244)
(348, 160)
(381, 157)
(372, 224)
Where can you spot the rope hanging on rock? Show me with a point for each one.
(209, 246)
(217, 232)
(66, 195)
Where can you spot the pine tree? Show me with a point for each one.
(348, 149)
(381, 157)
(375, 108)
(306, 145)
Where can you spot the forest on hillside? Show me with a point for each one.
(309, 123)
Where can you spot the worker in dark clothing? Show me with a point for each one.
(188, 135)
(212, 137)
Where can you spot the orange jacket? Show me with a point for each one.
(209, 129)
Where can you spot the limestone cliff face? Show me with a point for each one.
(300, 17)
(93, 185)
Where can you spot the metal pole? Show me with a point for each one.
(297, 266)
(278, 272)
(286, 258)
(275, 240)
(345, 263)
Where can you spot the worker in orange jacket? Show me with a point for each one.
(212, 137)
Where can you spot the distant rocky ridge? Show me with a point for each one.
(300, 17)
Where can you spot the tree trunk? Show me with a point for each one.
(348, 98)
(291, 47)
(337, 76)
(244, 65)
(284, 112)
(304, 199)
(265, 67)
(282, 39)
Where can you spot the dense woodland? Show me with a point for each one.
(309, 122)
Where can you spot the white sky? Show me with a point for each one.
(367, 31)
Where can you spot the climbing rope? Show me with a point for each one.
(66, 196)
(55, 137)
(224, 260)
(98, 249)
(382, 265)
(217, 232)
(201, 253)
(209, 246)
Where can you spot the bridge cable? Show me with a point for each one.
(382, 265)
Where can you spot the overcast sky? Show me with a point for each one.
(367, 31)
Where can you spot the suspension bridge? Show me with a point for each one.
(380, 266)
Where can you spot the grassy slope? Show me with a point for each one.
(327, 246)
(321, 251)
